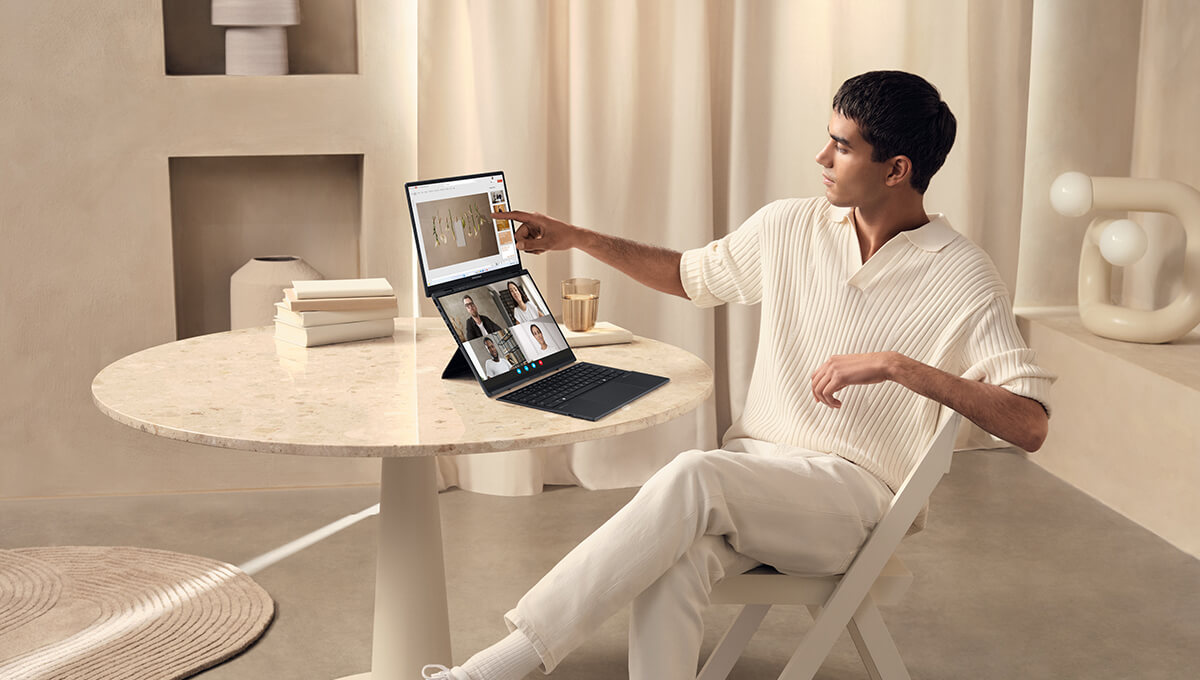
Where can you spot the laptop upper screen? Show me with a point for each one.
(506, 331)
(456, 237)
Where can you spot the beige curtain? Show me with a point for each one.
(670, 122)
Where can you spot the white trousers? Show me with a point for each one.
(704, 515)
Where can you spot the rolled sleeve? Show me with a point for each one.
(726, 270)
(996, 354)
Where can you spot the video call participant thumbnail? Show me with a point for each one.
(525, 310)
(477, 326)
(494, 365)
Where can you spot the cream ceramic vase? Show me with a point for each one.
(258, 285)
(256, 34)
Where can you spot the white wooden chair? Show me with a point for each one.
(845, 601)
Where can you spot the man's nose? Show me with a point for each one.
(824, 158)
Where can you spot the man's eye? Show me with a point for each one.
(840, 149)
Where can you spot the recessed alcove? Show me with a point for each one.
(325, 40)
(228, 209)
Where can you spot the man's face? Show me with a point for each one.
(470, 305)
(491, 349)
(851, 178)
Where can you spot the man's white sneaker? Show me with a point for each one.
(436, 672)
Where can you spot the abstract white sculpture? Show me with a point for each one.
(1123, 242)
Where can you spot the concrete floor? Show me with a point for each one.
(1018, 576)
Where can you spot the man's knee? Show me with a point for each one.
(690, 467)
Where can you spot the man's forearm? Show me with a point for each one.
(1011, 417)
(653, 266)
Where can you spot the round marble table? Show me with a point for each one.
(377, 398)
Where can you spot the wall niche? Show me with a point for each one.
(228, 209)
(325, 40)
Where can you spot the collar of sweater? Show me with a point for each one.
(932, 236)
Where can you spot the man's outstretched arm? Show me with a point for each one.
(1011, 417)
(653, 266)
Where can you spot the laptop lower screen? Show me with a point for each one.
(506, 331)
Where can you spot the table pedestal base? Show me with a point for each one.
(412, 624)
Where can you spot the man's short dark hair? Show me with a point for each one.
(900, 114)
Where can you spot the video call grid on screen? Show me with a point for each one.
(455, 233)
(524, 341)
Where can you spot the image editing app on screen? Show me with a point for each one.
(457, 236)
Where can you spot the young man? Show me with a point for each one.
(494, 366)
(477, 326)
(873, 315)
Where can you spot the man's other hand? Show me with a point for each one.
(539, 233)
(851, 369)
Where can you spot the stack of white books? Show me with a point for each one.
(335, 310)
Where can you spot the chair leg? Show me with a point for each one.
(729, 649)
(875, 644)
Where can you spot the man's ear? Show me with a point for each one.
(899, 169)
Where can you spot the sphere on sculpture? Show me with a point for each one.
(1123, 242)
(1071, 194)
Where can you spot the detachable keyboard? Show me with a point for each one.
(564, 385)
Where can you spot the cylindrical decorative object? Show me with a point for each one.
(256, 51)
(258, 285)
(256, 34)
(255, 12)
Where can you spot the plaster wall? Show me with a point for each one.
(90, 123)
(1166, 142)
(1124, 425)
(1082, 94)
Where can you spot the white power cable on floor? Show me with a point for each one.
(265, 560)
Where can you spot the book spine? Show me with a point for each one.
(318, 318)
(341, 304)
(342, 288)
(325, 335)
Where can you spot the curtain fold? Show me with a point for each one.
(670, 122)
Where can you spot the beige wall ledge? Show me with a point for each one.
(1126, 422)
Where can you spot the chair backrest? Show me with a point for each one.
(885, 538)
(915, 491)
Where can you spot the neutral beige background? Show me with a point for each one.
(661, 121)
(1083, 85)
(90, 121)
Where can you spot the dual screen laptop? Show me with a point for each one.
(507, 336)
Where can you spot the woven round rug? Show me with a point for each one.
(105, 613)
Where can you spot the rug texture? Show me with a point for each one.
(106, 613)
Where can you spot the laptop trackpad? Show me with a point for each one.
(605, 399)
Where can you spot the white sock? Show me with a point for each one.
(509, 659)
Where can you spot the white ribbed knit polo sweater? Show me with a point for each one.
(929, 293)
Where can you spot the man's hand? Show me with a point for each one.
(850, 369)
(651, 265)
(539, 233)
